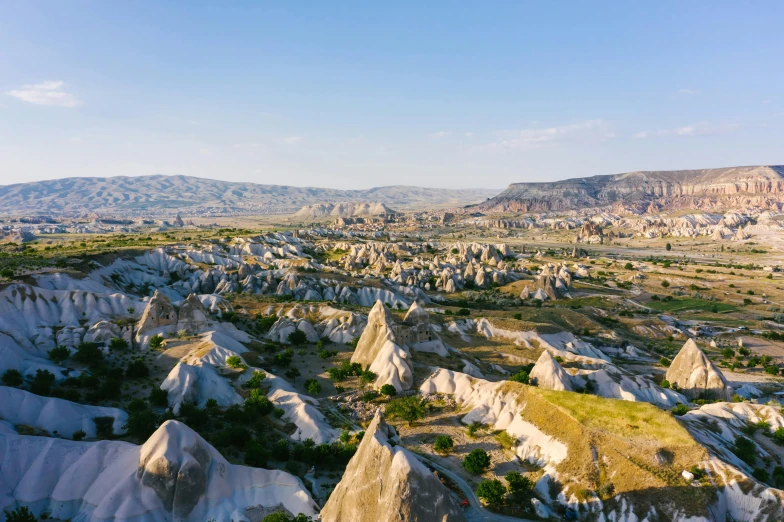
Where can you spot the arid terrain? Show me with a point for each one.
(355, 360)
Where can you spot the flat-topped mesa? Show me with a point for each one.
(386, 483)
(695, 375)
(342, 210)
(757, 185)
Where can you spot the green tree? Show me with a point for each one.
(20, 514)
(388, 390)
(517, 484)
(42, 382)
(312, 386)
(13, 378)
(476, 461)
(118, 343)
(137, 370)
(297, 337)
(156, 341)
(410, 409)
(258, 403)
(443, 444)
(159, 397)
(680, 409)
(665, 283)
(58, 354)
(88, 353)
(521, 377)
(78, 435)
(491, 491)
(668, 247)
(235, 361)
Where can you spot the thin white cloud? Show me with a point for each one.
(291, 140)
(589, 131)
(441, 134)
(49, 93)
(697, 129)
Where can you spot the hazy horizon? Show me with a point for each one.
(431, 96)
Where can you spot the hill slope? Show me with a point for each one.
(725, 187)
(151, 194)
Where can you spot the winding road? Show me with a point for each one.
(475, 512)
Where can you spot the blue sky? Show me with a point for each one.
(362, 94)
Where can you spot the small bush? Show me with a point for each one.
(42, 382)
(88, 353)
(443, 444)
(78, 435)
(58, 354)
(521, 377)
(680, 409)
(13, 378)
(235, 361)
(388, 390)
(476, 461)
(312, 386)
(297, 337)
(20, 514)
(255, 380)
(118, 343)
(159, 397)
(137, 370)
(156, 341)
(104, 427)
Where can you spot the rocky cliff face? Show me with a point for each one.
(386, 483)
(707, 188)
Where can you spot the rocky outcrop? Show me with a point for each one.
(386, 483)
(707, 188)
(176, 475)
(548, 374)
(695, 375)
(379, 351)
(158, 312)
(343, 210)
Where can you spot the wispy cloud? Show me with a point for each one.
(291, 140)
(589, 131)
(45, 93)
(441, 134)
(697, 129)
(688, 92)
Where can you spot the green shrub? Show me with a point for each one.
(491, 491)
(13, 378)
(665, 383)
(517, 484)
(159, 397)
(463, 312)
(78, 435)
(410, 409)
(88, 353)
(104, 427)
(258, 403)
(235, 361)
(137, 370)
(156, 341)
(443, 444)
(680, 409)
(42, 382)
(284, 358)
(20, 514)
(58, 354)
(388, 390)
(476, 461)
(118, 343)
(297, 337)
(255, 380)
(521, 377)
(367, 376)
(312, 386)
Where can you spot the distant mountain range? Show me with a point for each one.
(723, 188)
(158, 194)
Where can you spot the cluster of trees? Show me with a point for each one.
(496, 494)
